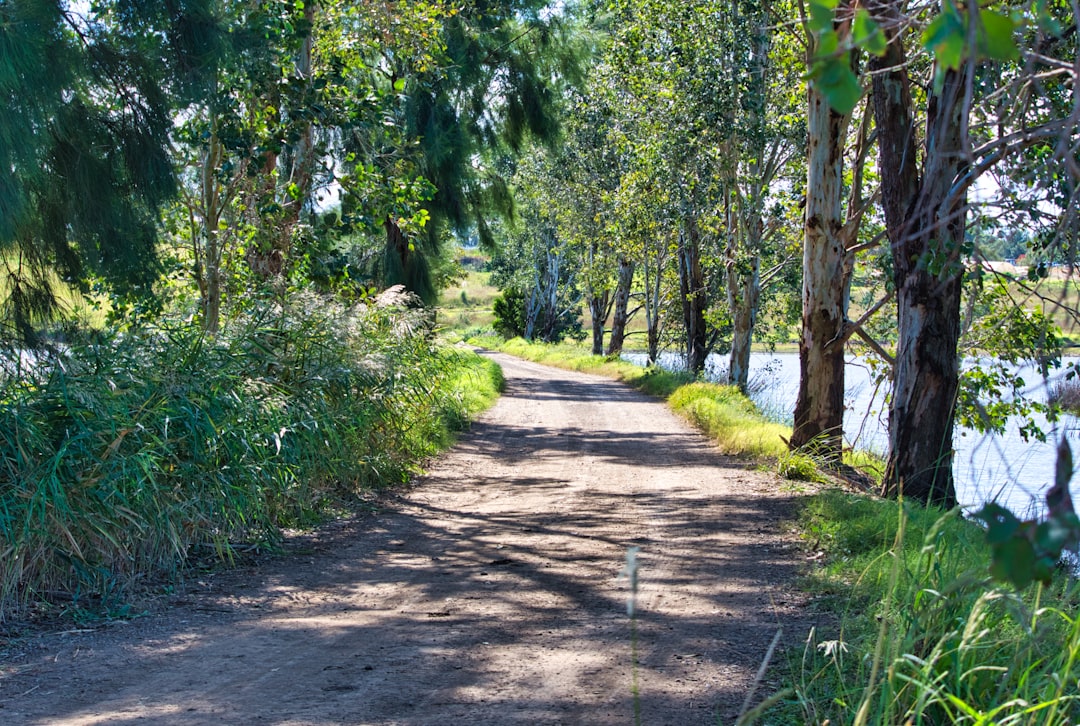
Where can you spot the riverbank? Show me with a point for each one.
(922, 633)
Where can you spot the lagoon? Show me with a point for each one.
(1005, 468)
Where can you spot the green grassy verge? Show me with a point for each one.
(922, 635)
(138, 454)
(723, 412)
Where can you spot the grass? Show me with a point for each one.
(922, 635)
(722, 411)
(137, 454)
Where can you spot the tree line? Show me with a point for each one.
(714, 168)
(726, 163)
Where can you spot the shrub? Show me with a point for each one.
(125, 456)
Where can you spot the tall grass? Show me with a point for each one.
(123, 457)
(923, 636)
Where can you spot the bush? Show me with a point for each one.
(509, 311)
(124, 457)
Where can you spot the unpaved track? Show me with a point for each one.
(488, 593)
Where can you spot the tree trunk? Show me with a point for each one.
(694, 298)
(925, 226)
(209, 267)
(598, 310)
(819, 410)
(622, 307)
(744, 297)
(653, 282)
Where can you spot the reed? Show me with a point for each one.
(125, 457)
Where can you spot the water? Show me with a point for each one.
(1005, 468)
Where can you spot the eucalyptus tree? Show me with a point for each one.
(761, 134)
(980, 57)
(88, 102)
(830, 233)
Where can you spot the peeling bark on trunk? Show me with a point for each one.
(819, 410)
(925, 227)
(622, 307)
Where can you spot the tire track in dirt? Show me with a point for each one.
(488, 593)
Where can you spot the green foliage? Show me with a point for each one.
(84, 141)
(830, 69)
(991, 392)
(129, 456)
(923, 636)
(798, 466)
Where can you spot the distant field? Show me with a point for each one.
(467, 305)
(73, 305)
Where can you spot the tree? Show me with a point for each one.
(496, 82)
(84, 135)
(587, 175)
(976, 60)
(828, 237)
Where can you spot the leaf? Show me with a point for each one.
(996, 40)
(821, 15)
(1001, 524)
(866, 33)
(399, 85)
(946, 37)
(835, 80)
(1014, 561)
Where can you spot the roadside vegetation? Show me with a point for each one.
(127, 457)
(923, 635)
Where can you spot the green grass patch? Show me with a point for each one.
(922, 635)
(729, 417)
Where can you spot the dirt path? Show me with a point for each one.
(486, 594)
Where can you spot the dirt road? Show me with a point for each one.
(488, 593)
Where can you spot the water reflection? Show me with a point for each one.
(1004, 468)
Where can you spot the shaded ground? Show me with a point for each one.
(488, 593)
